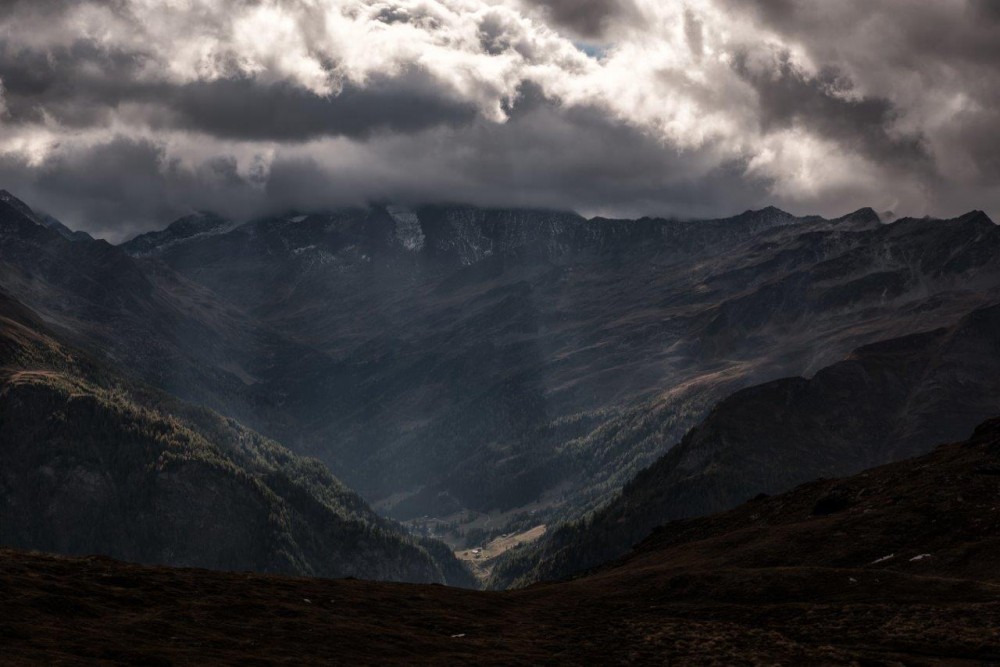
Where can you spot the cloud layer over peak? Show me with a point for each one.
(117, 115)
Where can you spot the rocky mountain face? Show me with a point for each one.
(444, 360)
(894, 566)
(91, 462)
(887, 401)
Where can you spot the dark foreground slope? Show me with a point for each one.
(93, 463)
(897, 565)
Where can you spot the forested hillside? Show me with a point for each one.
(91, 462)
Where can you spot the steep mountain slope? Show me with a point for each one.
(494, 359)
(893, 566)
(887, 401)
(91, 463)
(63, 230)
(146, 319)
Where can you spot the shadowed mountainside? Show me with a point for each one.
(488, 359)
(885, 402)
(896, 565)
(91, 462)
(449, 362)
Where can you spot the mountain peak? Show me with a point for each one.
(769, 216)
(976, 217)
(866, 211)
(866, 217)
(16, 204)
(61, 229)
(766, 211)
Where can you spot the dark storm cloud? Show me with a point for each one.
(78, 85)
(84, 85)
(914, 35)
(117, 114)
(586, 18)
(48, 7)
(988, 10)
(125, 186)
(823, 104)
(897, 35)
(244, 109)
(543, 157)
(693, 32)
(549, 157)
(930, 60)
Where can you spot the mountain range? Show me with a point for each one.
(466, 359)
(477, 373)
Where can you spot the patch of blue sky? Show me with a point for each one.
(595, 51)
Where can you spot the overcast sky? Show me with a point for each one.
(119, 115)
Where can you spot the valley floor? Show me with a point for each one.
(481, 559)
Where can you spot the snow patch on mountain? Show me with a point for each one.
(408, 230)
